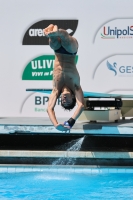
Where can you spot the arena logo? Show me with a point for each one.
(115, 29)
(40, 68)
(35, 36)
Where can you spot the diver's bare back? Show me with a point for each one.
(65, 72)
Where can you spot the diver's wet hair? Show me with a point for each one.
(71, 106)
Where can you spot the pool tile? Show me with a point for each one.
(3, 169)
(86, 170)
(78, 170)
(53, 169)
(71, 170)
(27, 169)
(19, 169)
(35, 169)
(129, 170)
(121, 170)
(11, 169)
(112, 170)
(47, 169)
(68, 170)
(94, 171)
(104, 170)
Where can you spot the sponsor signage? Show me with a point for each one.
(118, 66)
(36, 105)
(40, 68)
(35, 36)
(116, 29)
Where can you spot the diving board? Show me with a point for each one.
(88, 94)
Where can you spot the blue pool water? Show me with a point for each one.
(66, 186)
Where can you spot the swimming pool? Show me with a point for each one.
(65, 183)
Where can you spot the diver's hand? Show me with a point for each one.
(61, 127)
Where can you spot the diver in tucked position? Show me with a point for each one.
(66, 80)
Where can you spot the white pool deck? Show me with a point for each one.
(43, 125)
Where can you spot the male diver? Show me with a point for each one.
(66, 80)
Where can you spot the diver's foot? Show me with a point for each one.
(48, 29)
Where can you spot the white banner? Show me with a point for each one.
(104, 31)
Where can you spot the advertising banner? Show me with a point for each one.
(104, 60)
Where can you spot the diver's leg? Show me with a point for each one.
(54, 41)
(67, 41)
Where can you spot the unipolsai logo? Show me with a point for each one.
(115, 29)
(35, 36)
(117, 33)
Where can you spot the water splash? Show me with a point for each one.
(74, 145)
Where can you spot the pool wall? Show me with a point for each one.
(45, 149)
(54, 142)
(66, 157)
(34, 141)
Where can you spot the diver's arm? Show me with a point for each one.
(80, 102)
(51, 104)
(50, 109)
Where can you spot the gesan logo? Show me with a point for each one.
(114, 67)
(115, 29)
(35, 36)
(40, 68)
(122, 71)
